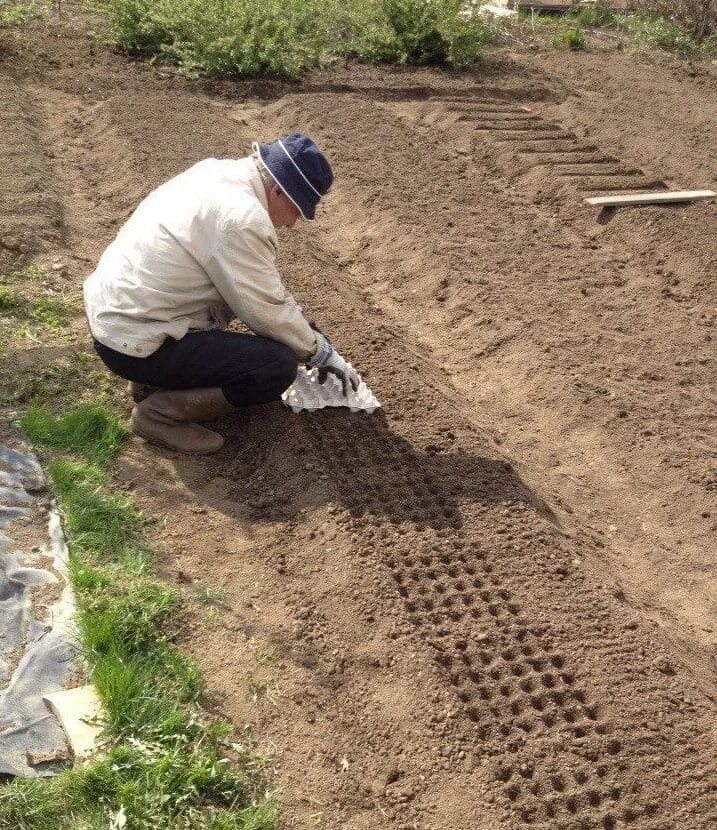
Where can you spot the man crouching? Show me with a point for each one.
(199, 251)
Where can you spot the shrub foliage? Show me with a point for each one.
(284, 37)
(698, 16)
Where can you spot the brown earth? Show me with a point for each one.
(492, 604)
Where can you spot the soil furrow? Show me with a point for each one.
(30, 212)
(488, 605)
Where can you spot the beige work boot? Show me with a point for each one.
(167, 417)
(139, 391)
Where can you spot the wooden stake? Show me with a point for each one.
(656, 198)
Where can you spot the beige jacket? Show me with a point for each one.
(197, 252)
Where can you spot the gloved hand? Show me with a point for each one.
(329, 361)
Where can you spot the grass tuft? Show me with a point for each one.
(89, 430)
(601, 14)
(155, 786)
(104, 526)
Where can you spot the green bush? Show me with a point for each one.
(227, 37)
(417, 31)
(434, 32)
(285, 37)
(134, 26)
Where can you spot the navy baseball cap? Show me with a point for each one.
(299, 168)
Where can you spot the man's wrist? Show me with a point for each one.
(322, 353)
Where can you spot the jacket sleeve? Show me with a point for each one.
(242, 268)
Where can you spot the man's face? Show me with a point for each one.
(282, 211)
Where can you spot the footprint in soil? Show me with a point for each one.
(276, 463)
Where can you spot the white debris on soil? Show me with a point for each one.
(497, 8)
(306, 393)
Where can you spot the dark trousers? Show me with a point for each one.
(248, 368)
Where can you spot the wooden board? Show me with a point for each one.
(656, 198)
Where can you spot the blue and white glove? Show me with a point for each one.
(328, 361)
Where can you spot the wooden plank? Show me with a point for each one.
(657, 198)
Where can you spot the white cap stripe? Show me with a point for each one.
(281, 144)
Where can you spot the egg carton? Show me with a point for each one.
(306, 393)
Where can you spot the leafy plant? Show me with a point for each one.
(662, 32)
(573, 37)
(423, 32)
(134, 26)
(227, 37)
(417, 31)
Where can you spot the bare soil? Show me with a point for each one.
(492, 605)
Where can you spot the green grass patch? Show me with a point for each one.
(601, 14)
(165, 768)
(51, 312)
(46, 311)
(154, 786)
(103, 525)
(26, 274)
(646, 29)
(17, 307)
(286, 37)
(18, 13)
(89, 430)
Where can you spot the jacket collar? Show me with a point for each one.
(257, 184)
